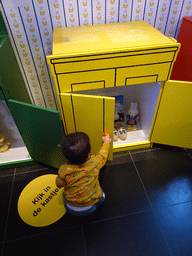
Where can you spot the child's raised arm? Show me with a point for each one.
(104, 150)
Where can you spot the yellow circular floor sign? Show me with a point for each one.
(41, 202)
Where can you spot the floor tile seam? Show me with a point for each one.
(168, 246)
(84, 244)
(137, 152)
(188, 153)
(20, 173)
(7, 219)
(12, 174)
(8, 174)
(161, 230)
(40, 234)
(141, 180)
(171, 205)
(138, 251)
(117, 217)
(154, 211)
(121, 155)
(145, 151)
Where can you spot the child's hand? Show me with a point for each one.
(106, 138)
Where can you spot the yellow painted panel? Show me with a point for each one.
(89, 115)
(104, 37)
(134, 58)
(159, 70)
(67, 111)
(61, 58)
(88, 86)
(49, 58)
(141, 80)
(132, 146)
(173, 124)
(86, 80)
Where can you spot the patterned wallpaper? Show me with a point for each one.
(30, 25)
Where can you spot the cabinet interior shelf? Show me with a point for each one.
(17, 151)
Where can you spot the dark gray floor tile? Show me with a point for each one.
(5, 197)
(189, 151)
(1, 248)
(119, 158)
(7, 172)
(123, 189)
(61, 242)
(137, 234)
(143, 150)
(166, 175)
(34, 167)
(176, 224)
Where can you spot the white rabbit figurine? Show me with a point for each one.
(133, 115)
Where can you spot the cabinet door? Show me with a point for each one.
(173, 124)
(41, 130)
(93, 115)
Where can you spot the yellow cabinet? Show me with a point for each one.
(131, 57)
(109, 55)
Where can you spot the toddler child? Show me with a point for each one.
(79, 177)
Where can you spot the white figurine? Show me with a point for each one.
(133, 115)
(116, 116)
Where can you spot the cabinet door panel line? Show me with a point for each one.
(104, 115)
(103, 107)
(115, 77)
(73, 110)
(159, 70)
(85, 80)
(62, 111)
(57, 79)
(73, 84)
(73, 113)
(156, 75)
(149, 76)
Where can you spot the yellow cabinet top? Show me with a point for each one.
(136, 35)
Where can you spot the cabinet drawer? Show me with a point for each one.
(113, 60)
(86, 80)
(143, 74)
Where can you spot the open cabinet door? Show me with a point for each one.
(41, 131)
(173, 125)
(93, 115)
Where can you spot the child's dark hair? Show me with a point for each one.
(76, 147)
